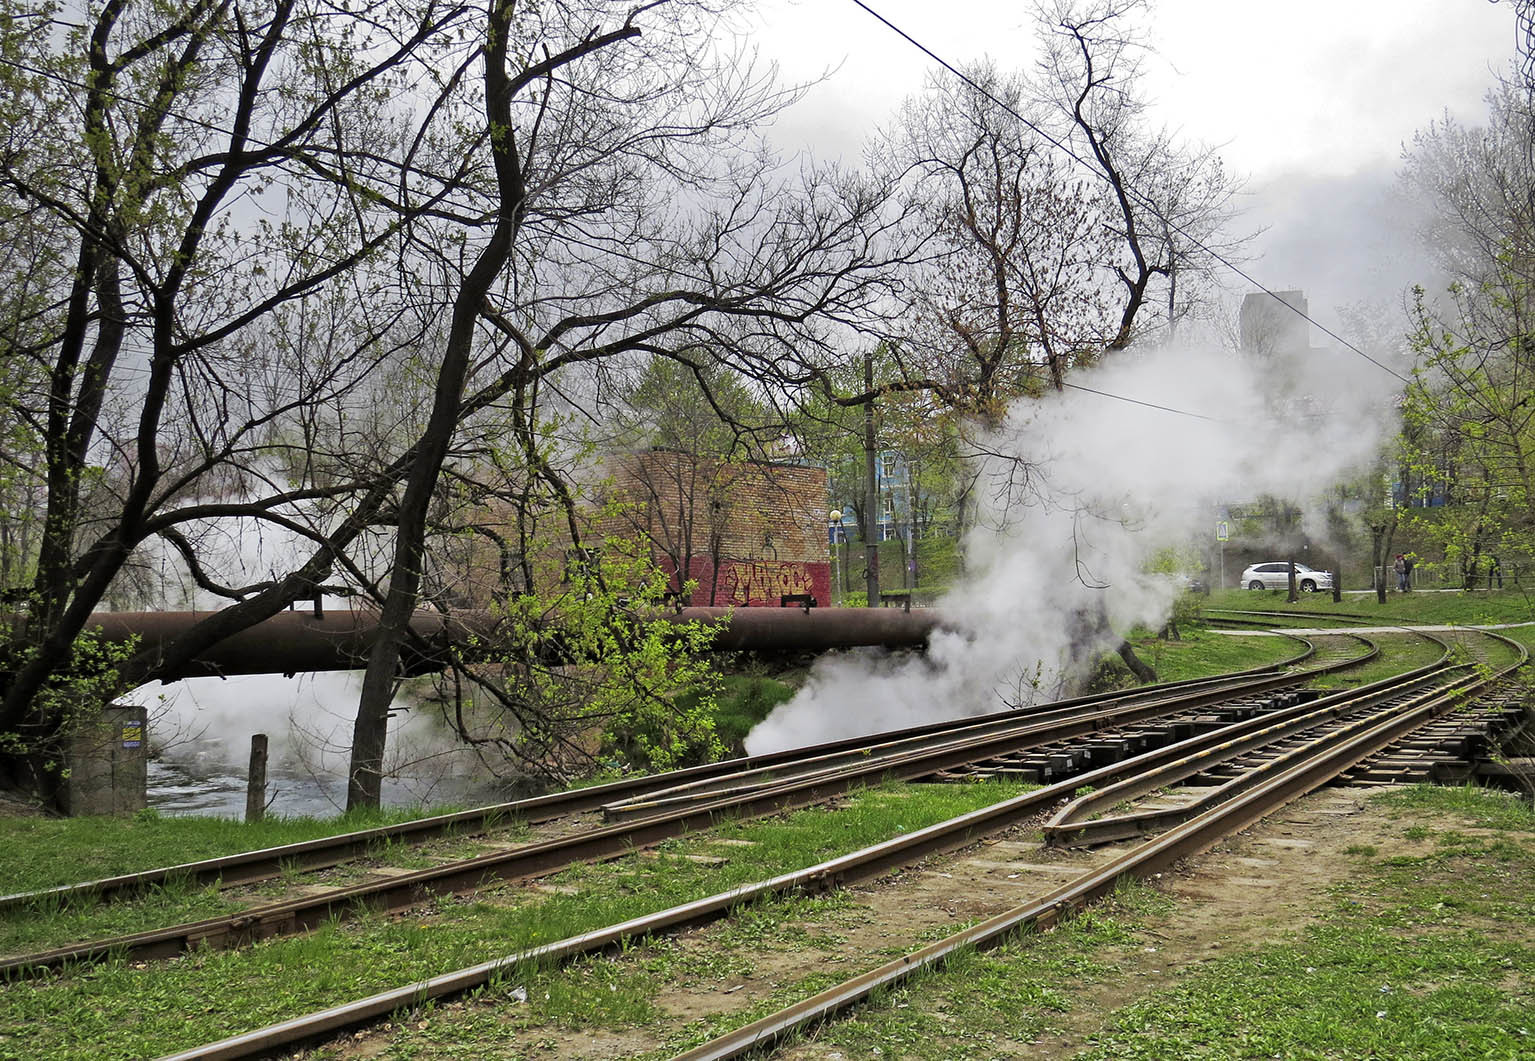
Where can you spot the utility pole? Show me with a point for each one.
(871, 489)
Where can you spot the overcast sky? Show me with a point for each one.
(1311, 100)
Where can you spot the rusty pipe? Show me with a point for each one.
(340, 639)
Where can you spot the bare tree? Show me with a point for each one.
(191, 200)
(1057, 223)
(299, 308)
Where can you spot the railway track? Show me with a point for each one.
(1299, 758)
(1278, 780)
(1199, 730)
(322, 853)
(818, 774)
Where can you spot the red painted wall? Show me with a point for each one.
(758, 583)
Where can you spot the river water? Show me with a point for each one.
(200, 731)
(208, 786)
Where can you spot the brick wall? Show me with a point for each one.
(747, 532)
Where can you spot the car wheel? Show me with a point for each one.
(1255, 584)
(1308, 586)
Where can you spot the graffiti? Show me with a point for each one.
(762, 582)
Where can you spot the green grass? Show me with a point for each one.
(1430, 957)
(743, 701)
(45, 852)
(118, 1011)
(1201, 653)
(993, 1003)
(1510, 605)
(1398, 653)
(121, 842)
(1427, 957)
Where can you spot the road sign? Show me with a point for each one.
(1222, 531)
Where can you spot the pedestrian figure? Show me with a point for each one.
(1400, 567)
(1494, 571)
(1406, 574)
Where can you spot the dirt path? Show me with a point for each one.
(1261, 886)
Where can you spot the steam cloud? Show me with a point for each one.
(203, 722)
(1077, 491)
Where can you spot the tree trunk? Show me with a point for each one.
(369, 732)
(1138, 666)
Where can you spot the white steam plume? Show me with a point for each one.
(1077, 491)
(308, 718)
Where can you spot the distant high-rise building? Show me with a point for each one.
(1270, 323)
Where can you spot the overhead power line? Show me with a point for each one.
(1069, 153)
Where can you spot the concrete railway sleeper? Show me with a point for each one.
(321, 853)
(871, 862)
(1454, 749)
(537, 859)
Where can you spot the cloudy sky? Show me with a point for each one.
(1311, 100)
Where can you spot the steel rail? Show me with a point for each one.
(870, 862)
(1126, 826)
(251, 866)
(1070, 826)
(1184, 840)
(694, 792)
(306, 913)
(989, 742)
(1059, 829)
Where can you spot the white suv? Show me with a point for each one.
(1276, 575)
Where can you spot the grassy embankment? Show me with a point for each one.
(123, 1010)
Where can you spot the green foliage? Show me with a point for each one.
(1468, 432)
(743, 701)
(73, 698)
(588, 676)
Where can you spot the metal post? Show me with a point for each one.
(871, 488)
(836, 517)
(255, 786)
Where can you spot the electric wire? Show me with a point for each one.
(1075, 157)
(258, 142)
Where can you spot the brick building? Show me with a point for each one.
(749, 533)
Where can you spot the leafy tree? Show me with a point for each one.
(1469, 428)
(1468, 435)
(574, 680)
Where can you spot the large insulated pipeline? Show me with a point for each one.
(339, 639)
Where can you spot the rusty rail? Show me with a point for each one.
(860, 865)
(1183, 841)
(251, 866)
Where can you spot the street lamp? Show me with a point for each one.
(836, 517)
